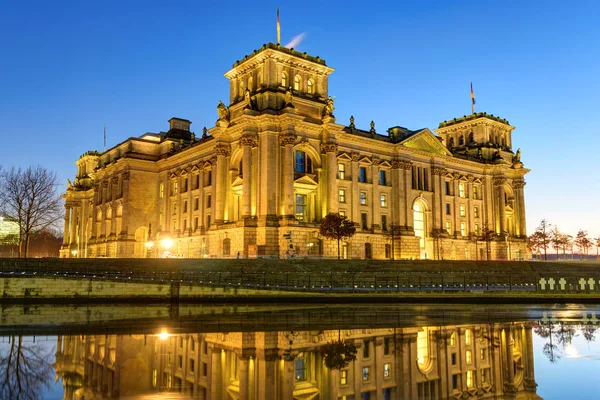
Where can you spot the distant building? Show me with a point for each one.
(488, 361)
(277, 161)
(9, 237)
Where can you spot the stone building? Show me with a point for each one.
(277, 161)
(486, 361)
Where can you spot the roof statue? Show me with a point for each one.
(250, 104)
(328, 111)
(288, 99)
(223, 111)
(516, 160)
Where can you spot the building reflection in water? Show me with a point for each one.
(489, 361)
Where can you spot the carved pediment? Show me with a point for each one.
(305, 185)
(344, 157)
(237, 185)
(365, 160)
(385, 164)
(426, 141)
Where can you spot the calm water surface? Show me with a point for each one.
(290, 352)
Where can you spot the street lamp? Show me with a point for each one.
(74, 253)
(149, 245)
(167, 243)
(507, 240)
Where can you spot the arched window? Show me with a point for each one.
(423, 347)
(297, 82)
(461, 140)
(303, 163)
(284, 80)
(310, 86)
(419, 225)
(450, 143)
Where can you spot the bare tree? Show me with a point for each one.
(24, 370)
(556, 239)
(583, 242)
(30, 197)
(543, 235)
(337, 227)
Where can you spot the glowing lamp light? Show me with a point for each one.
(149, 244)
(167, 243)
(163, 335)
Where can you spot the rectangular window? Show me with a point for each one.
(476, 212)
(208, 177)
(387, 370)
(363, 198)
(184, 185)
(180, 358)
(448, 209)
(300, 207)
(482, 354)
(461, 190)
(383, 200)
(384, 225)
(160, 220)
(382, 178)
(477, 229)
(469, 379)
(366, 348)
(204, 369)
(343, 377)
(363, 221)
(342, 213)
(447, 188)
(300, 166)
(208, 201)
(196, 181)
(342, 195)
(185, 206)
(463, 229)
(192, 365)
(468, 335)
(300, 369)
(174, 208)
(195, 223)
(449, 227)
(453, 339)
(455, 381)
(388, 250)
(453, 358)
(366, 371)
(425, 179)
(362, 174)
(341, 171)
(468, 357)
(463, 211)
(207, 221)
(386, 346)
(174, 224)
(475, 192)
(184, 224)
(196, 204)
(161, 190)
(175, 188)
(484, 376)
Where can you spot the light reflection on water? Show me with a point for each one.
(419, 357)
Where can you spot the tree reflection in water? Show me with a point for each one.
(24, 369)
(560, 335)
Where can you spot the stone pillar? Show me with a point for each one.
(408, 215)
(222, 150)
(247, 141)
(355, 190)
(125, 219)
(73, 225)
(510, 377)
(395, 196)
(470, 216)
(243, 375)
(330, 149)
(456, 203)
(190, 202)
(287, 141)
(66, 236)
(438, 196)
(288, 380)
(376, 203)
(520, 222)
(216, 382)
(501, 218)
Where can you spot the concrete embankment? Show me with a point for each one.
(296, 281)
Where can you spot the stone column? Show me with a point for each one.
(247, 141)
(330, 149)
(73, 225)
(288, 380)
(439, 196)
(243, 375)
(395, 196)
(125, 219)
(355, 190)
(66, 236)
(456, 203)
(501, 219)
(222, 150)
(470, 216)
(520, 222)
(376, 203)
(408, 215)
(190, 202)
(216, 381)
(287, 141)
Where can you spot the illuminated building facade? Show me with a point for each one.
(277, 161)
(489, 361)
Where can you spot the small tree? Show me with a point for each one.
(31, 199)
(583, 242)
(337, 227)
(556, 239)
(338, 354)
(487, 235)
(543, 231)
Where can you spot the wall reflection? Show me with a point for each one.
(489, 361)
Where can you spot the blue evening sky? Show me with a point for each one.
(69, 67)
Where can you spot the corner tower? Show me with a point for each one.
(275, 77)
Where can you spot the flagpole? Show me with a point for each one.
(278, 28)
(104, 137)
(472, 99)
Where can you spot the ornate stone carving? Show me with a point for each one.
(204, 133)
(288, 99)
(352, 126)
(223, 111)
(250, 103)
(249, 139)
(222, 149)
(213, 160)
(287, 138)
(329, 147)
(114, 180)
(439, 171)
(355, 156)
(499, 181)
(104, 184)
(328, 110)
(519, 184)
(529, 385)
(401, 164)
(456, 175)
(470, 178)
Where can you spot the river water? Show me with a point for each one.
(292, 352)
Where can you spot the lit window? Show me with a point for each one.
(468, 337)
(477, 229)
(342, 195)
(297, 82)
(300, 369)
(362, 174)
(484, 377)
(468, 357)
(344, 377)
(476, 212)
(387, 369)
(453, 339)
(175, 188)
(461, 190)
(482, 354)
(174, 208)
(475, 192)
(463, 229)
(341, 171)
(300, 207)
(363, 198)
(161, 190)
(423, 346)
(366, 371)
(462, 210)
(469, 379)
(154, 377)
(342, 213)
(449, 227)
(383, 200)
(310, 86)
(284, 81)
